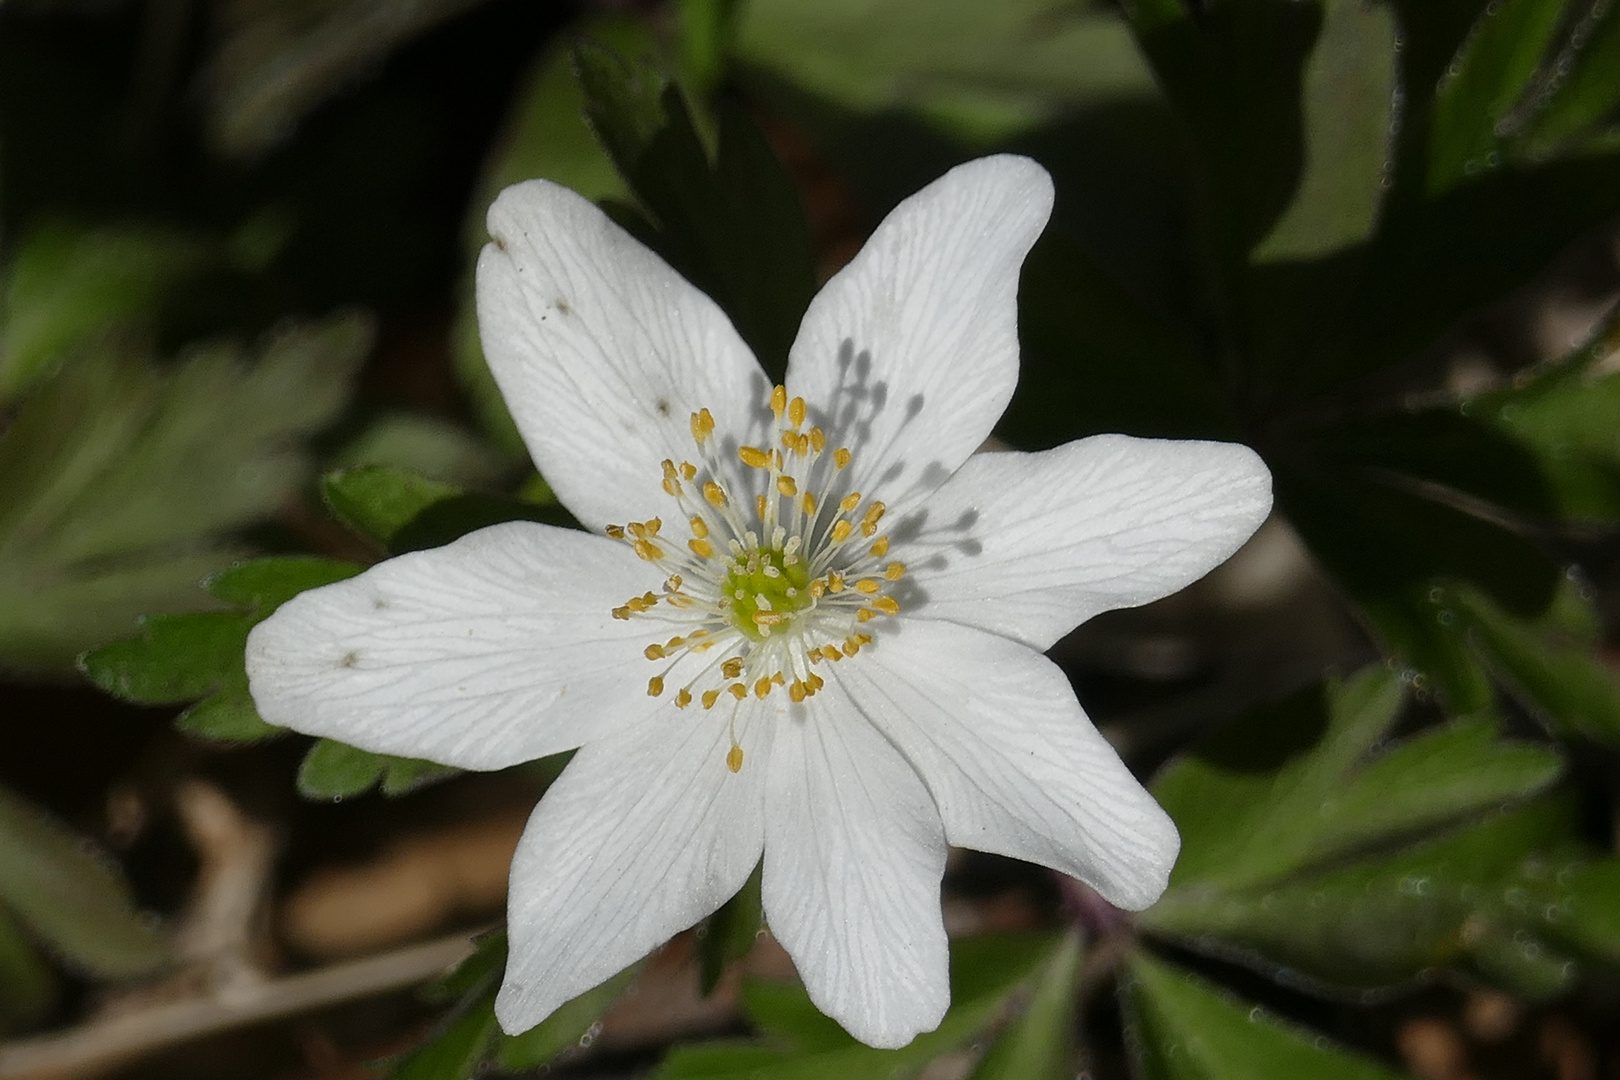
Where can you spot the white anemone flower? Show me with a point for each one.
(806, 623)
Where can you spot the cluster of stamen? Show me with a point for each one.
(764, 588)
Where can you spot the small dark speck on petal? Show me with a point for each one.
(350, 659)
(663, 406)
(562, 306)
(379, 602)
(499, 242)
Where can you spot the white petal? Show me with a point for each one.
(911, 351)
(642, 835)
(1011, 760)
(1032, 545)
(602, 352)
(496, 649)
(853, 858)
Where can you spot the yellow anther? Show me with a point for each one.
(835, 582)
(615, 532)
(734, 758)
(637, 529)
(864, 639)
(738, 690)
(841, 457)
(649, 552)
(841, 530)
(655, 686)
(851, 646)
(654, 525)
(830, 652)
(683, 698)
(702, 426)
(710, 697)
(817, 589)
(801, 446)
(815, 682)
(762, 687)
(797, 691)
(761, 504)
(714, 493)
(754, 457)
(849, 502)
(796, 411)
(674, 643)
(672, 487)
(894, 571)
(880, 547)
(653, 652)
(732, 668)
(669, 469)
(786, 486)
(818, 439)
(868, 586)
(789, 440)
(777, 678)
(701, 548)
(673, 584)
(873, 513)
(700, 528)
(808, 502)
(688, 470)
(769, 618)
(887, 604)
(776, 460)
(621, 613)
(778, 401)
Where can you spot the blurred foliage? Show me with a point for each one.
(57, 892)
(1294, 223)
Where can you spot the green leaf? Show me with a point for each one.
(1561, 682)
(1040, 1045)
(178, 658)
(982, 72)
(1440, 775)
(1248, 800)
(1580, 903)
(27, 986)
(730, 933)
(734, 227)
(405, 512)
(67, 288)
(1486, 79)
(1383, 921)
(71, 898)
(334, 770)
(1568, 417)
(427, 446)
(1585, 93)
(1187, 1029)
(1348, 95)
(565, 1028)
(984, 971)
(458, 1049)
(122, 480)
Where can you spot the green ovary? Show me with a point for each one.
(785, 593)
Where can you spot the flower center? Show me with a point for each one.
(780, 568)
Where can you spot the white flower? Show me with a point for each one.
(806, 624)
